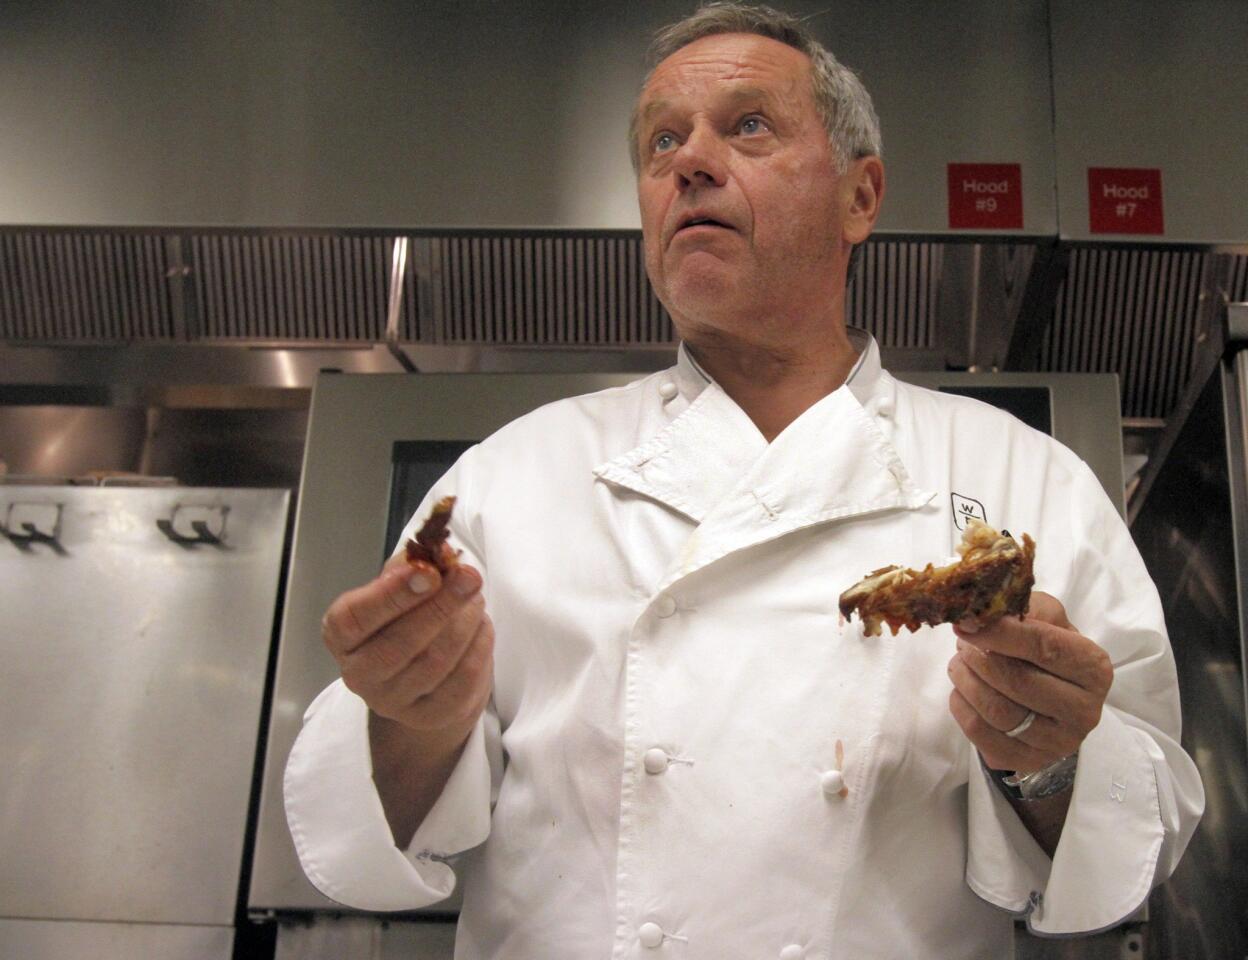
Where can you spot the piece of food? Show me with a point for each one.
(992, 579)
(429, 545)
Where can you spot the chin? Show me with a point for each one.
(697, 292)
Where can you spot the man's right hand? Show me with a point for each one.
(419, 652)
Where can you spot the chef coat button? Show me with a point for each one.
(884, 407)
(833, 782)
(665, 606)
(792, 952)
(655, 761)
(667, 390)
(650, 935)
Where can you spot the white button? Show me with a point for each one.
(655, 760)
(650, 935)
(884, 407)
(791, 952)
(833, 782)
(667, 390)
(665, 606)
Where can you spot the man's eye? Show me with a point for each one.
(752, 125)
(662, 143)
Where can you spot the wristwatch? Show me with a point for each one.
(1048, 781)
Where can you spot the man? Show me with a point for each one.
(675, 743)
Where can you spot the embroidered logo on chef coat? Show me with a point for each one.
(966, 509)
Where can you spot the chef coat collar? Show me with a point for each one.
(691, 379)
(711, 463)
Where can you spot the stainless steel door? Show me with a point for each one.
(130, 699)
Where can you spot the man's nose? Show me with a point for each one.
(700, 161)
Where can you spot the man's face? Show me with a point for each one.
(741, 203)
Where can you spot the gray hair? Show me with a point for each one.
(842, 101)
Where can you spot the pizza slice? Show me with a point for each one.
(993, 579)
(430, 543)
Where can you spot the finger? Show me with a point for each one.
(1056, 650)
(995, 707)
(1025, 684)
(357, 614)
(1004, 714)
(383, 655)
(999, 751)
(427, 671)
(1046, 607)
(461, 697)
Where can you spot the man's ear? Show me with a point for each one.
(864, 192)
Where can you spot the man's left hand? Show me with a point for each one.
(1040, 663)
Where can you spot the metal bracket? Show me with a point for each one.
(29, 523)
(394, 308)
(191, 526)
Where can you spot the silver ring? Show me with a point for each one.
(1022, 727)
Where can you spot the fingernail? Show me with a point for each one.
(419, 583)
(463, 582)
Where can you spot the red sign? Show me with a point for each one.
(985, 196)
(1125, 200)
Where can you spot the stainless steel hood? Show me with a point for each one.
(571, 300)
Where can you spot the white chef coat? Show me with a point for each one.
(689, 752)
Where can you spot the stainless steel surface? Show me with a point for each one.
(1123, 72)
(1193, 533)
(134, 673)
(59, 441)
(364, 938)
(290, 303)
(394, 308)
(341, 523)
(1237, 321)
(285, 115)
(210, 446)
(73, 940)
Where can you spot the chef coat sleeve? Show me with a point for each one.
(1137, 795)
(335, 815)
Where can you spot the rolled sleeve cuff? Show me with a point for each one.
(338, 825)
(1106, 859)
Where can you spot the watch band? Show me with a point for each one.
(1048, 781)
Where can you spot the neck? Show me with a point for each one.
(775, 385)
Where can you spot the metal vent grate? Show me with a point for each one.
(1133, 312)
(566, 290)
(571, 290)
(276, 288)
(84, 287)
(894, 293)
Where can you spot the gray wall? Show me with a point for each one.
(386, 113)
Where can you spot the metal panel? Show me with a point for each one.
(1154, 84)
(314, 113)
(1191, 532)
(362, 938)
(70, 940)
(134, 672)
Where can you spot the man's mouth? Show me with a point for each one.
(702, 222)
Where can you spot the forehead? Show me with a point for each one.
(725, 63)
